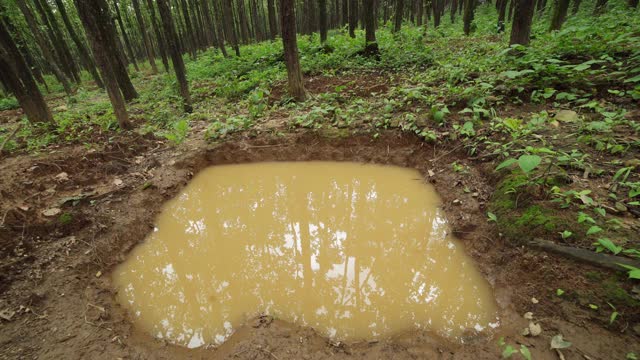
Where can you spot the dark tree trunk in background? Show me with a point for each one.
(190, 33)
(242, 20)
(229, 31)
(99, 28)
(560, 8)
(218, 24)
(210, 30)
(397, 25)
(632, 3)
(255, 19)
(68, 61)
(452, 12)
(469, 11)
(502, 12)
(159, 38)
(541, 6)
(294, 73)
(353, 17)
(436, 12)
(511, 6)
(174, 51)
(273, 25)
(369, 19)
(47, 51)
(83, 51)
(419, 13)
(345, 13)
(16, 75)
(123, 31)
(148, 46)
(322, 19)
(521, 28)
(601, 6)
(576, 6)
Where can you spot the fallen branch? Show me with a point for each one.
(584, 255)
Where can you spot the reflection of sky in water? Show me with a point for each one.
(354, 251)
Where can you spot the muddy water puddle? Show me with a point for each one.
(358, 252)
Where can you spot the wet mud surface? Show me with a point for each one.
(69, 216)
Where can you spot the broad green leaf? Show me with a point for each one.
(508, 351)
(559, 292)
(633, 79)
(613, 317)
(506, 163)
(492, 216)
(525, 352)
(594, 230)
(609, 245)
(557, 342)
(529, 162)
(634, 272)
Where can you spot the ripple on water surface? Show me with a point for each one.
(357, 252)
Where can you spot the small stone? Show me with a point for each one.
(457, 202)
(7, 314)
(431, 173)
(475, 194)
(98, 274)
(567, 116)
(528, 315)
(51, 212)
(117, 182)
(535, 329)
(534, 300)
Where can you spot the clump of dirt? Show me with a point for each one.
(57, 299)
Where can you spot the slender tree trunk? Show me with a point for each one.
(601, 6)
(353, 17)
(511, 6)
(469, 10)
(229, 31)
(159, 38)
(398, 18)
(502, 11)
(148, 46)
(273, 25)
(632, 3)
(123, 31)
(419, 13)
(452, 11)
(521, 28)
(322, 4)
(369, 19)
(174, 50)
(16, 75)
(99, 28)
(576, 6)
(47, 51)
(242, 21)
(85, 57)
(436, 12)
(294, 73)
(190, 33)
(541, 6)
(560, 8)
(218, 24)
(57, 39)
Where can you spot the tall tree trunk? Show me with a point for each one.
(452, 11)
(242, 21)
(99, 28)
(162, 47)
(47, 51)
(148, 46)
(322, 4)
(16, 75)
(419, 13)
(273, 25)
(123, 31)
(174, 50)
(255, 21)
(541, 6)
(353, 17)
(469, 11)
(398, 18)
(511, 6)
(57, 39)
(294, 73)
(369, 19)
(632, 3)
(435, 6)
(218, 24)
(190, 33)
(601, 6)
(560, 8)
(85, 57)
(502, 11)
(576, 6)
(229, 30)
(521, 28)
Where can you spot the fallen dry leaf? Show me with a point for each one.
(51, 212)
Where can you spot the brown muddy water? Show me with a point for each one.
(358, 252)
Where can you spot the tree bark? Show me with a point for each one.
(148, 47)
(294, 73)
(85, 56)
(398, 18)
(576, 6)
(47, 50)
(190, 33)
(469, 11)
(162, 47)
(560, 8)
(632, 3)
(229, 30)
(353, 17)
(601, 6)
(369, 18)
(521, 28)
(218, 23)
(273, 25)
(99, 28)
(435, 6)
(541, 6)
(16, 75)
(502, 12)
(452, 11)
(174, 50)
(123, 31)
(322, 4)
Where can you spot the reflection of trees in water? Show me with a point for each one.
(334, 252)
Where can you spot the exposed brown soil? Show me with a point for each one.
(54, 271)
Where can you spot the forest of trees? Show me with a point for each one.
(104, 37)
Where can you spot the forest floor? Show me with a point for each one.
(516, 153)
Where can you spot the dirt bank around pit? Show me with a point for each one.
(69, 216)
